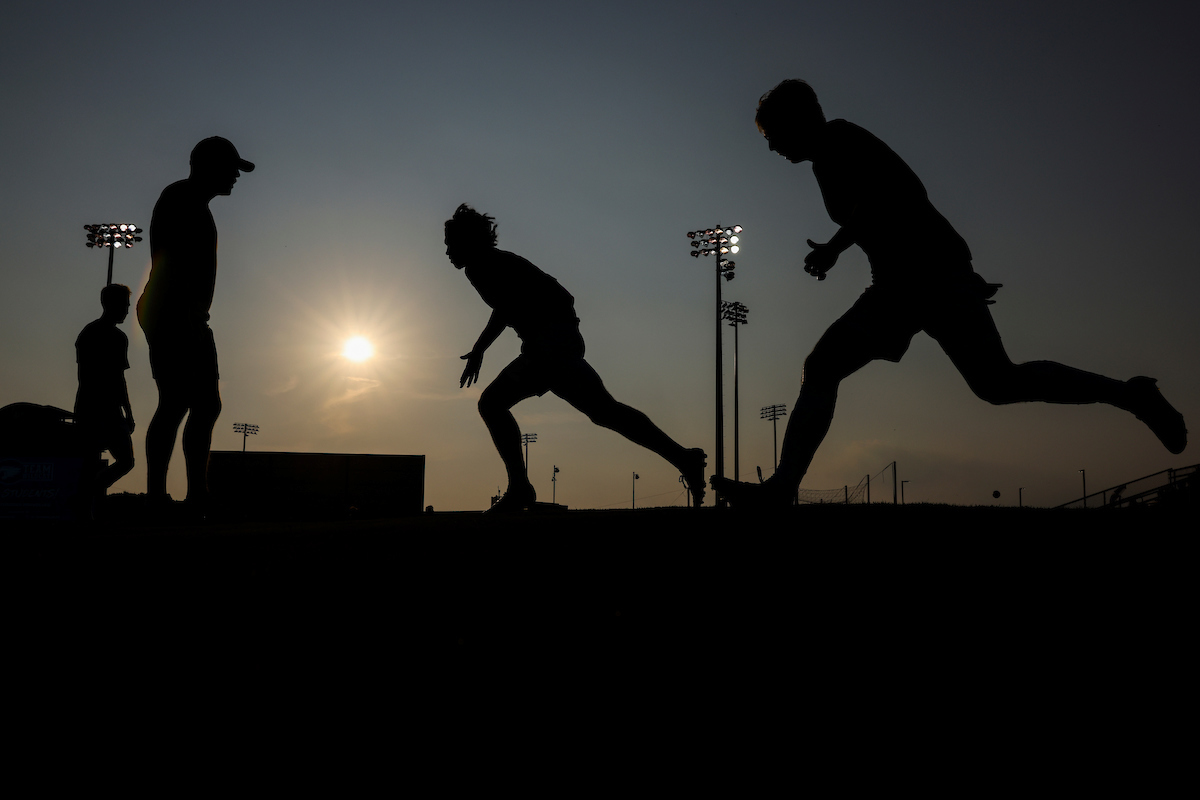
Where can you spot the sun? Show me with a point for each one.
(358, 348)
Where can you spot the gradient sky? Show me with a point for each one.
(1058, 138)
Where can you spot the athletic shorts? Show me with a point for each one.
(883, 321)
(187, 355)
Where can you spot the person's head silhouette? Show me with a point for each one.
(468, 234)
(216, 165)
(114, 298)
(791, 118)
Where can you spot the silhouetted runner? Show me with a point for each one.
(922, 280)
(102, 409)
(542, 313)
(173, 311)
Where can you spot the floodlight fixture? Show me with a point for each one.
(245, 429)
(527, 439)
(734, 313)
(113, 235)
(774, 413)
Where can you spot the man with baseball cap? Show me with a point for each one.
(174, 310)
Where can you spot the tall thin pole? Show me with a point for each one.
(720, 449)
(717, 242)
(775, 437)
(111, 250)
(735, 401)
(893, 483)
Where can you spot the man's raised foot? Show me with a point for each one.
(1160, 416)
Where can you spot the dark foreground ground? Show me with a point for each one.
(1040, 629)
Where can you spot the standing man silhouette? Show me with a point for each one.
(922, 279)
(102, 409)
(173, 312)
(542, 313)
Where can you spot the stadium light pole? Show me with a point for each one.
(718, 241)
(113, 236)
(527, 439)
(773, 413)
(245, 430)
(735, 314)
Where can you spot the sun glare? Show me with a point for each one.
(358, 349)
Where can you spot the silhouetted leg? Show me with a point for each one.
(974, 346)
(582, 387)
(831, 361)
(514, 384)
(197, 441)
(121, 449)
(160, 437)
(861, 335)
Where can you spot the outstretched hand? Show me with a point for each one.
(471, 372)
(821, 259)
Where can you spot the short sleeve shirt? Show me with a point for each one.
(102, 355)
(528, 300)
(870, 191)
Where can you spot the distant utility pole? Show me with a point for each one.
(718, 241)
(245, 430)
(773, 413)
(526, 439)
(553, 483)
(893, 483)
(113, 236)
(633, 483)
(735, 314)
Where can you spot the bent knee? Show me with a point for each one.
(823, 367)
(998, 393)
(489, 405)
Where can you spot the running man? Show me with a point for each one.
(542, 313)
(922, 280)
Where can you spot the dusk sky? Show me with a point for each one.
(1058, 138)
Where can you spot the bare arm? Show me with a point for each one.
(824, 256)
(125, 405)
(474, 359)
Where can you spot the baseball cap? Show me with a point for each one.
(219, 150)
